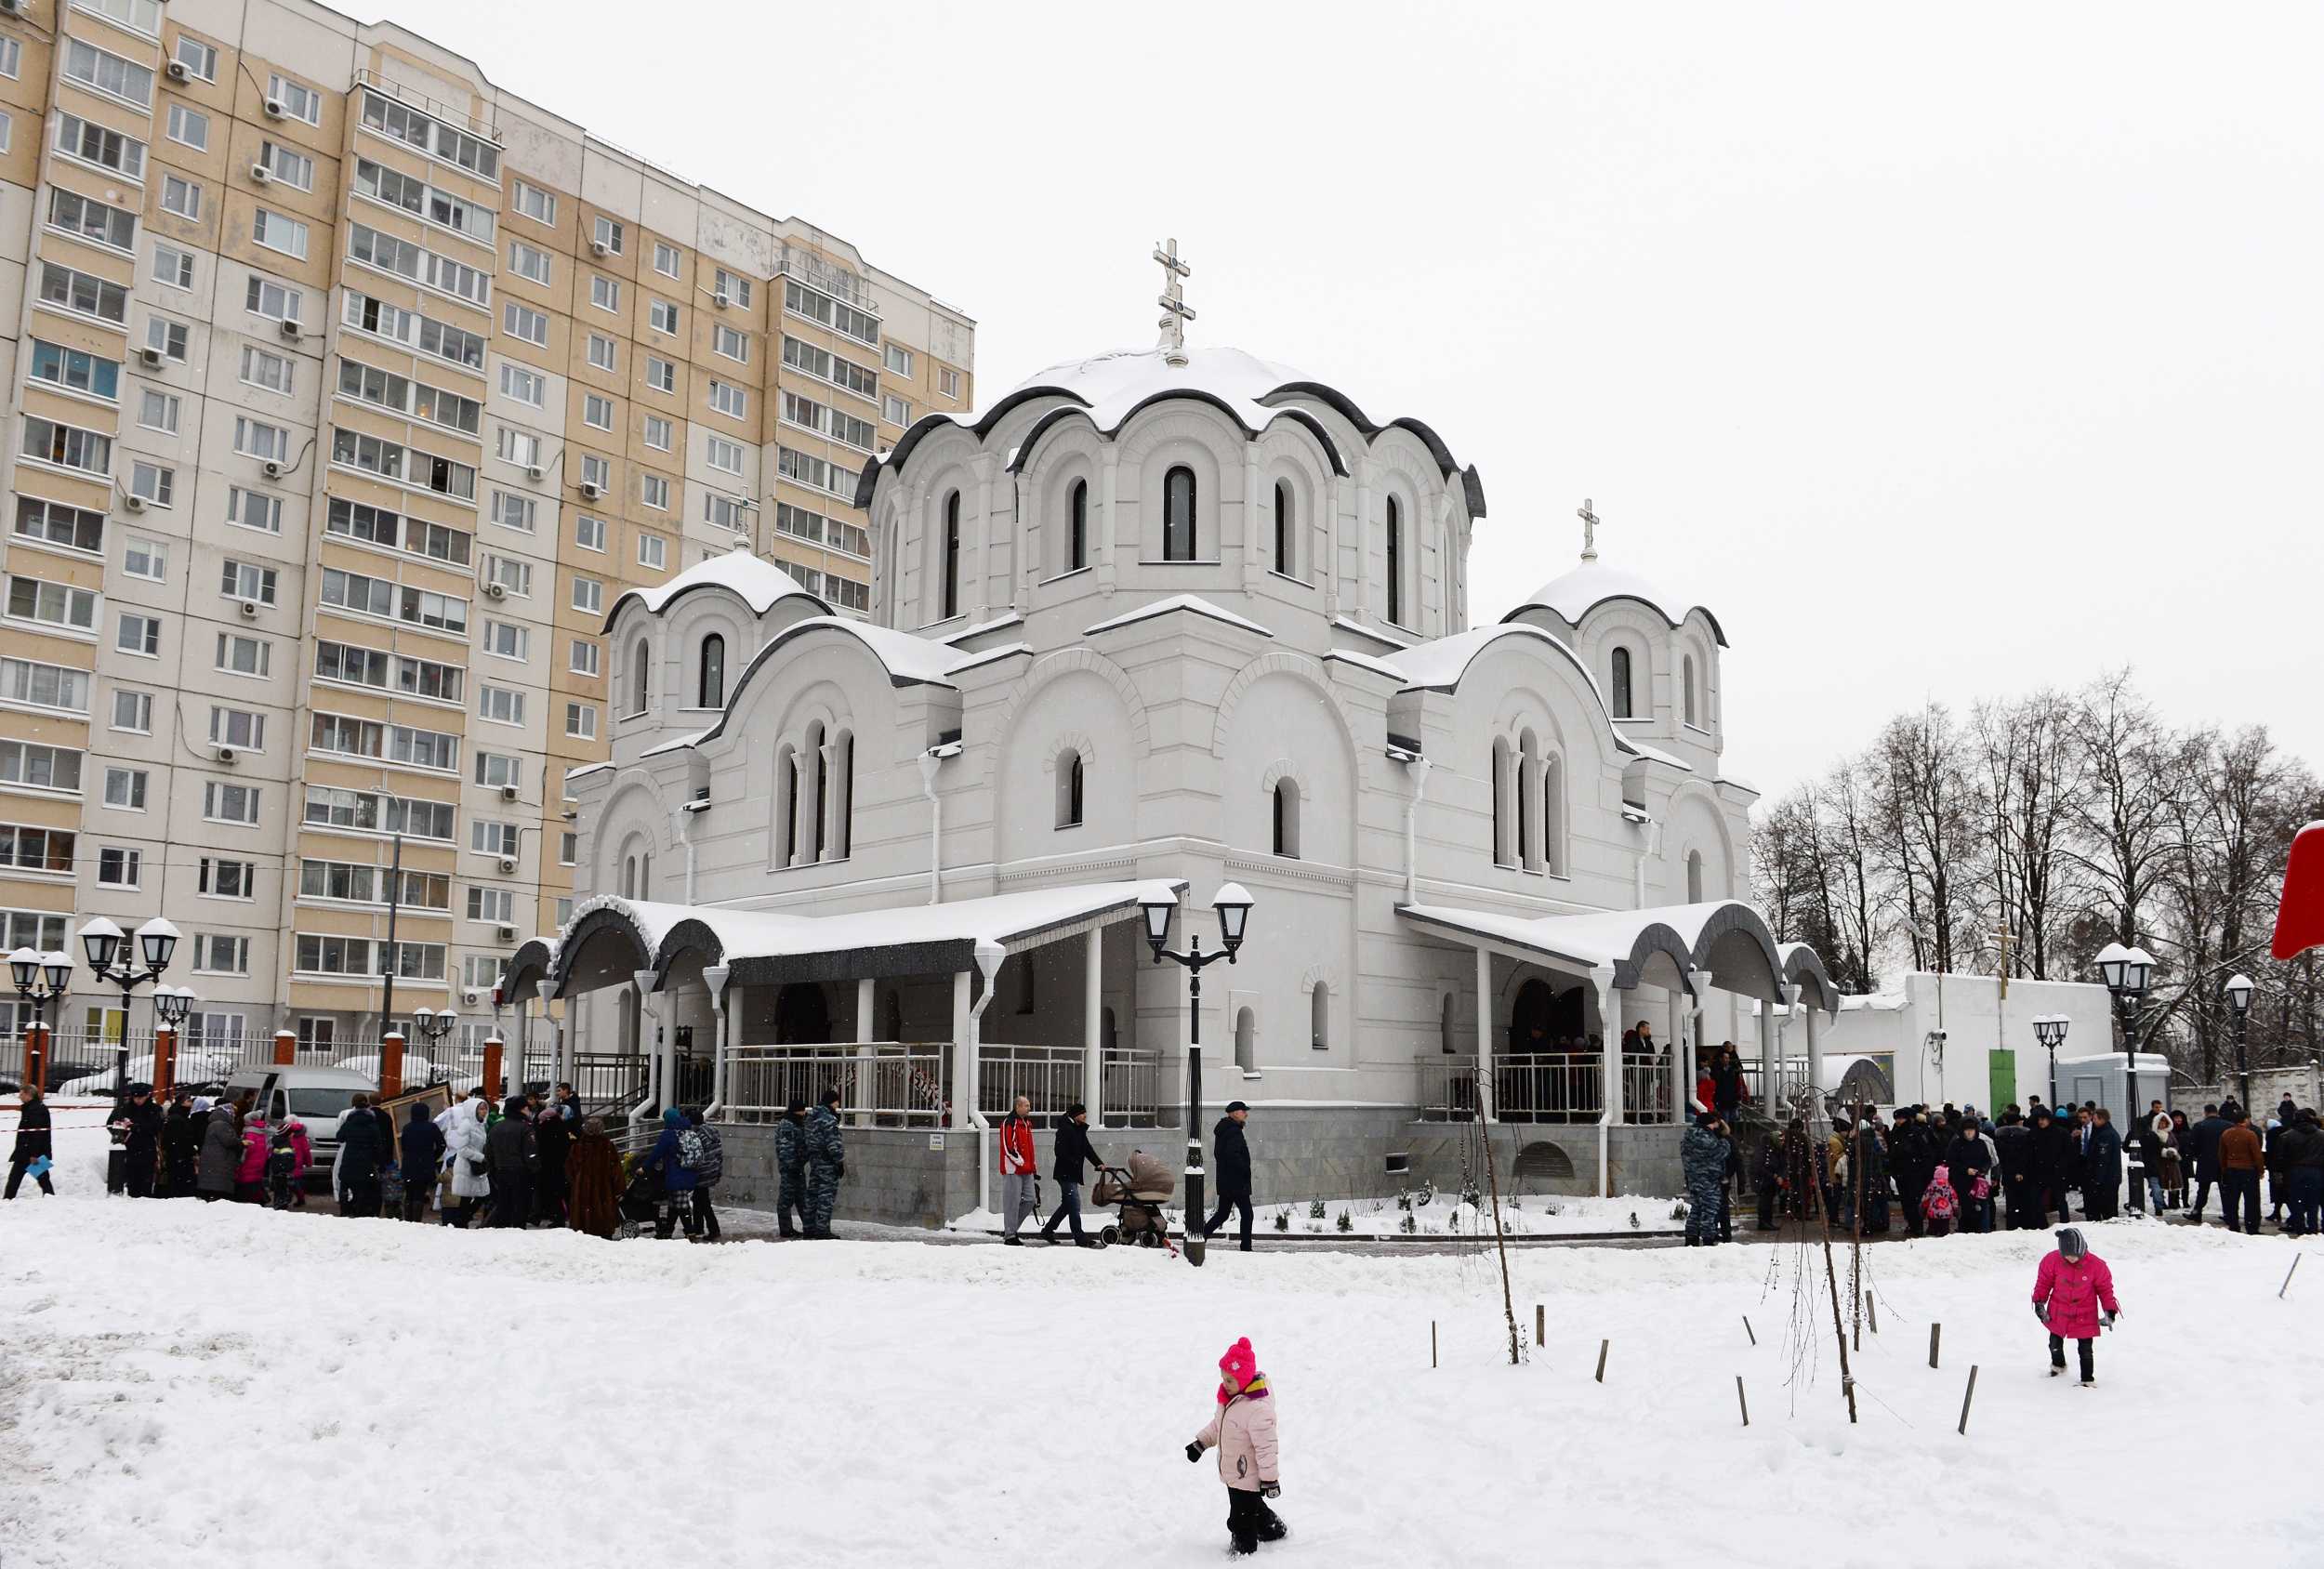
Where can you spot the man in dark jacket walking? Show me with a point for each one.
(2014, 1142)
(364, 1149)
(2046, 1170)
(143, 1143)
(1966, 1160)
(1073, 1154)
(2102, 1168)
(1913, 1161)
(2302, 1148)
(2203, 1138)
(421, 1154)
(2241, 1159)
(827, 1164)
(511, 1158)
(32, 1142)
(1230, 1166)
(790, 1168)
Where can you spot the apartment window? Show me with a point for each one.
(661, 315)
(568, 848)
(293, 169)
(91, 221)
(502, 706)
(158, 410)
(533, 202)
(513, 511)
(589, 534)
(222, 878)
(583, 659)
(171, 266)
(598, 471)
(56, 604)
(588, 595)
(238, 656)
(600, 351)
(55, 768)
(665, 258)
(520, 447)
(653, 552)
(730, 400)
(257, 438)
(133, 711)
(32, 684)
(263, 368)
(733, 286)
(659, 433)
(254, 509)
(527, 261)
(731, 341)
(166, 337)
(948, 382)
(608, 233)
(525, 385)
(36, 849)
(92, 67)
(215, 953)
(11, 57)
(53, 522)
(119, 867)
(222, 802)
(486, 836)
(897, 359)
(604, 292)
(75, 370)
(298, 101)
(199, 59)
(83, 294)
(724, 512)
(497, 770)
(125, 789)
(522, 321)
(277, 301)
(279, 233)
(581, 721)
(660, 374)
(491, 904)
(597, 412)
(505, 639)
(148, 559)
(238, 727)
(181, 196)
(246, 580)
(894, 409)
(92, 143)
(653, 491)
(511, 572)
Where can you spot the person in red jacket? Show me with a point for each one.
(1020, 1191)
(2069, 1293)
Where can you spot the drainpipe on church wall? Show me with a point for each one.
(930, 760)
(1416, 767)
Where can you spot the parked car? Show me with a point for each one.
(318, 1097)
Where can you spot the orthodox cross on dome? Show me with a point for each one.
(1588, 530)
(1176, 312)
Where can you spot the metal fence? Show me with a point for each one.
(1054, 1078)
(1540, 1086)
(891, 1084)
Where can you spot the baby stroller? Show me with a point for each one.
(641, 1201)
(1141, 1192)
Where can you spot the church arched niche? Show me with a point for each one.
(1074, 718)
(1208, 448)
(1294, 485)
(1061, 499)
(1701, 857)
(1284, 715)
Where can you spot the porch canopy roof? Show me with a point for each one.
(772, 947)
(1726, 940)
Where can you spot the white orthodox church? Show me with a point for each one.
(1177, 616)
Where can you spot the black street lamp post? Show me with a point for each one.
(2238, 991)
(40, 979)
(2049, 1029)
(2126, 972)
(1159, 903)
(113, 960)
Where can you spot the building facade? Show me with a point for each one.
(346, 393)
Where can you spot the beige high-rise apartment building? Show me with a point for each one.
(349, 393)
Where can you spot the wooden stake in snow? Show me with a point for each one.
(1746, 1328)
(1872, 1313)
(1602, 1349)
(1967, 1395)
(1540, 1325)
(1936, 1332)
(1741, 1402)
(1508, 1308)
(1432, 1343)
(2288, 1274)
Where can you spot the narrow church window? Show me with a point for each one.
(1694, 877)
(1178, 515)
(1077, 526)
(1554, 817)
(1395, 562)
(1500, 770)
(711, 692)
(1621, 683)
(1526, 775)
(630, 876)
(1283, 527)
(1319, 1018)
(952, 556)
(1069, 781)
(823, 805)
(1286, 819)
(638, 681)
(1688, 672)
(843, 806)
(787, 802)
(1247, 1040)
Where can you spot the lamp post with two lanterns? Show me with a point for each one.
(2049, 1029)
(1158, 903)
(2126, 973)
(112, 959)
(40, 978)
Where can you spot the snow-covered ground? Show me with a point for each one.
(186, 1384)
(1437, 1218)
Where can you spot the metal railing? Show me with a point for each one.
(1054, 1078)
(1132, 1083)
(1540, 1086)
(891, 1084)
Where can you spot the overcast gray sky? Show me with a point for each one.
(1941, 351)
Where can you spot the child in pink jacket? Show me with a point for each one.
(2072, 1287)
(1243, 1431)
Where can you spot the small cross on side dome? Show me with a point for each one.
(1588, 530)
(1176, 312)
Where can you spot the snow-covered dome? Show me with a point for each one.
(758, 581)
(1574, 594)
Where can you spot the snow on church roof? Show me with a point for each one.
(1194, 602)
(1577, 593)
(758, 581)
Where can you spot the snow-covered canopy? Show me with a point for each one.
(1575, 594)
(758, 581)
(1726, 940)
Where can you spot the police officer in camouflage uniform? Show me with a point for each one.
(790, 1168)
(827, 1163)
(1703, 1159)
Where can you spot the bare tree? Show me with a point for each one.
(1929, 846)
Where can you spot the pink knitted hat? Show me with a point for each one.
(1239, 1364)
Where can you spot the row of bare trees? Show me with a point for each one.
(2044, 827)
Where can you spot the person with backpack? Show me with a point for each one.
(2070, 1289)
(827, 1164)
(281, 1168)
(1243, 1430)
(1940, 1205)
(790, 1168)
(1019, 1184)
(700, 1152)
(667, 1158)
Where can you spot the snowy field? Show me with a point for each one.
(182, 1383)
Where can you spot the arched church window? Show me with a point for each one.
(1529, 770)
(1694, 877)
(1319, 1017)
(1247, 1040)
(1621, 684)
(1286, 809)
(639, 678)
(710, 692)
(1395, 562)
(1687, 688)
(1283, 527)
(952, 558)
(1444, 1024)
(630, 876)
(817, 759)
(1554, 816)
(1177, 514)
(1069, 787)
(843, 804)
(1502, 803)
(645, 875)
(787, 802)
(1077, 526)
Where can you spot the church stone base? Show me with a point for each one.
(913, 1177)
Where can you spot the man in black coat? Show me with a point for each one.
(363, 1150)
(1912, 1160)
(1068, 1170)
(511, 1158)
(1966, 1159)
(2046, 1168)
(2020, 1191)
(2203, 1138)
(32, 1142)
(1230, 1167)
(142, 1145)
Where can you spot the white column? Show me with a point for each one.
(1815, 1057)
(1692, 1004)
(548, 993)
(963, 1053)
(1783, 1033)
(1610, 1043)
(1364, 539)
(715, 979)
(806, 807)
(1770, 1066)
(867, 1032)
(1682, 1087)
(1109, 492)
(1486, 1108)
(1093, 1015)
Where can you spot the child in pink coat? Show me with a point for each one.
(1243, 1431)
(2069, 1292)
